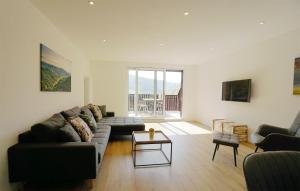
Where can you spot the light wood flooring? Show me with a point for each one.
(192, 167)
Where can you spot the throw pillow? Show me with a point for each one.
(90, 121)
(47, 131)
(96, 112)
(68, 134)
(82, 129)
(103, 110)
(74, 112)
(85, 110)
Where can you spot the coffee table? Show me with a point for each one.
(143, 138)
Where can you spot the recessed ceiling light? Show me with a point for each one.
(161, 44)
(262, 22)
(91, 2)
(186, 13)
(104, 40)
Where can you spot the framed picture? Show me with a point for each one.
(55, 71)
(296, 89)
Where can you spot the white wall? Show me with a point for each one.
(110, 85)
(270, 66)
(22, 29)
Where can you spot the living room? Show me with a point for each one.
(208, 42)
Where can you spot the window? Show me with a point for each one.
(155, 93)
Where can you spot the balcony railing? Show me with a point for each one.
(172, 102)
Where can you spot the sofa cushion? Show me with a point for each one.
(102, 131)
(103, 110)
(90, 121)
(102, 127)
(101, 135)
(47, 131)
(96, 112)
(26, 137)
(123, 125)
(101, 140)
(121, 121)
(75, 111)
(68, 134)
(82, 129)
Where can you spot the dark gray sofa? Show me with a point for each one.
(41, 155)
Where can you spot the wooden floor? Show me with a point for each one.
(192, 167)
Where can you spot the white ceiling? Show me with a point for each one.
(134, 29)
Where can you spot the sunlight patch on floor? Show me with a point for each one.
(178, 128)
(168, 115)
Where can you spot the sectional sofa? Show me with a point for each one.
(45, 153)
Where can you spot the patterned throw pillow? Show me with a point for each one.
(103, 110)
(96, 112)
(86, 111)
(90, 121)
(82, 129)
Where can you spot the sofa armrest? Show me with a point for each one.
(53, 161)
(110, 114)
(276, 142)
(265, 130)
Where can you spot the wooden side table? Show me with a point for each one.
(232, 128)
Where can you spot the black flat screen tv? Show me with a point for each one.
(238, 90)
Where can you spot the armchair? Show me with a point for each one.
(272, 138)
(275, 170)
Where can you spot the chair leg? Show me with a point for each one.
(256, 149)
(234, 154)
(236, 150)
(217, 145)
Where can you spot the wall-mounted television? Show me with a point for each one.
(238, 90)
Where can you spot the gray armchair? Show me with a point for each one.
(272, 138)
(275, 170)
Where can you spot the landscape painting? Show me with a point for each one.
(55, 71)
(297, 76)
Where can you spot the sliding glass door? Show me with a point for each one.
(173, 97)
(159, 104)
(145, 92)
(154, 93)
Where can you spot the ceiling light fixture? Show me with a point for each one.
(262, 22)
(91, 2)
(104, 40)
(186, 13)
(161, 44)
